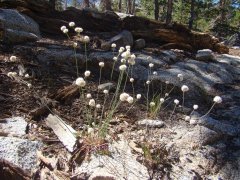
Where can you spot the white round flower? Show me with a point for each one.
(89, 96)
(148, 82)
(195, 107)
(176, 101)
(92, 103)
(152, 104)
(151, 65)
(128, 47)
(72, 24)
(29, 85)
(90, 131)
(123, 60)
(184, 88)
(139, 96)
(155, 73)
(26, 75)
(131, 61)
(180, 76)
(80, 82)
(161, 100)
(131, 80)
(122, 67)
(121, 49)
(63, 27)
(105, 91)
(126, 54)
(98, 106)
(130, 100)
(65, 31)
(115, 58)
(187, 118)
(13, 58)
(101, 64)
(124, 97)
(167, 82)
(166, 94)
(217, 99)
(87, 73)
(78, 30)
(86, 39)
(75, 44)
(133, 56)
(113, 45)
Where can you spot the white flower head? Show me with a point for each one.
(89, 96)
(217, 99)
(113, 45)
(87, 73)
(29, 85)
(195, 106)
(139, 96)
(130, 99)
(166, 94)
(63, 27)
(133, 56)
(98, 106)
(124, 97)
(115, 58)
(184, 88)
(148, 82)
(78, 30)
(155, 73)
(128, 48)
(187, 118)
(167, 82)
(176, 101)
(152, 104)
(26, 75)
(65, 31)
(121, 49)
(123, 60)
(180, 76)
(151, 65)
(105, 91)
(126, 54)
(71, 24)
(86, 39)
(92, 103)
(161, 100)
(80, 82)
(13, 58)
(101, 64)
(75, 44)
(131, 80)
(131, 61)
(122, 67)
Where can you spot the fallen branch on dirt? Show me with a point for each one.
(64, 132)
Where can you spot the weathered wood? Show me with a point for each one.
(64, 132)
(9, 171)
(66, 94)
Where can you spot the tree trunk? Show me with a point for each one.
(106, 5)
(169, 11)
(156, 9)
(85, 4)
(191, 19)
(134, 7)
(120, 5)
(65, 5)
(223, 11)
(52, 4)
(129, 6)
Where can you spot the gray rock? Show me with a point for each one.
(120, 164)
(205, 55)
(14, 126)
(151, 123)
(107, 86)
(139, 44)
(200, 136)
(18, 27)
(228, 59)
(125, 38)
(20, 152)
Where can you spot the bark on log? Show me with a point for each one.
(50, 22)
